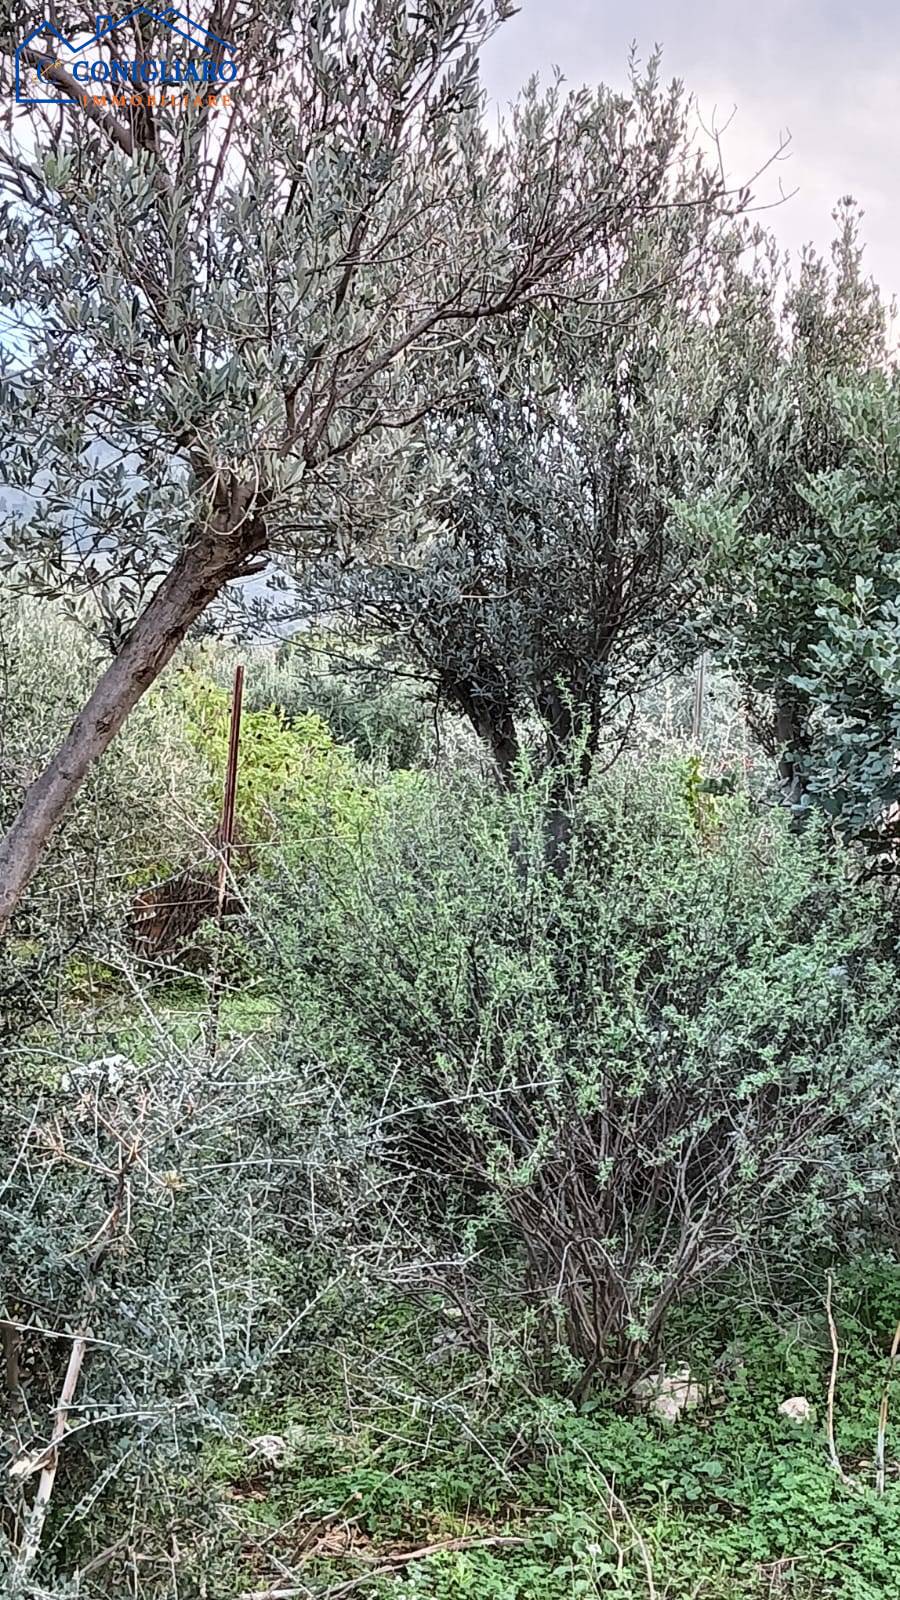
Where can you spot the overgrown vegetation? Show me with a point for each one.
(467, 1165)
(632, 1072)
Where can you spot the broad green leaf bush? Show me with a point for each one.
(624, 1077)
(379, 716)
(849, 674)
(294, 784)
(305, 805)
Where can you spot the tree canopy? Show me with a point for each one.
(226, 319)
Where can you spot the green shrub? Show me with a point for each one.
(340, 678)
(625, 1076)
(294, 785)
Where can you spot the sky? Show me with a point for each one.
(827, 73)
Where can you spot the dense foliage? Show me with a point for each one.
(791, 340)
(673, 1054)
(848, 670)
(140, 813)
(476, 1175)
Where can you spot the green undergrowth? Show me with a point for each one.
(114, 1024)
(387, 1452)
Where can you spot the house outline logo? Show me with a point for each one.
(201, 40)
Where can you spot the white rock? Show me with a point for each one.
(797, 1410)
(272, 1448)
(667, 1408)
(669, 1394)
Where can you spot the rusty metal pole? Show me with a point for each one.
(225, 844)
(699, 697)
(226, 825)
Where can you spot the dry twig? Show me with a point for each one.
(833, 1456)
(392, 1563)
(37, 1516)
(883, 1414)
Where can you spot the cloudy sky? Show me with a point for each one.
(826, 71)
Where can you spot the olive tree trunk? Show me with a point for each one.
(198, 574)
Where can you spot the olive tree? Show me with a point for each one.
(570, 551)
(223, 319)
